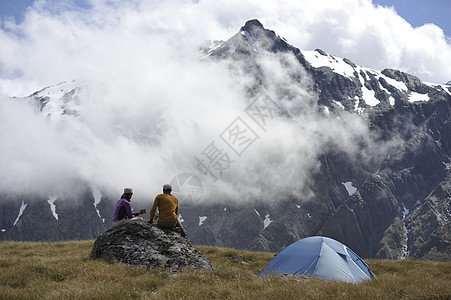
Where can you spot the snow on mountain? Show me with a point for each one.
(345, 67)
(51, 202)
(319, 58)
(267, 221)
(349, 86)
(349, 188)
(97, 194)
(250, 39)
(202, 220)
(415, 97)
(58, 101)
(21, 210)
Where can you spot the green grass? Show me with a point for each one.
(63, 270)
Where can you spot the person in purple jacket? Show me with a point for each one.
(123, 210)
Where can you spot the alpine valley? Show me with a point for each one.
(395, 204)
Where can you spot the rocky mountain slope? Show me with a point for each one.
(392, 203)
(385, 207)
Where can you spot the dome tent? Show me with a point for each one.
(321, 257)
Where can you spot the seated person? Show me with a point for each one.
(168, 207)
(123, 211)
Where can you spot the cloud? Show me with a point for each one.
(371, 36)
(286, 154)
(150, 105)
(33, 158)
(79, 41)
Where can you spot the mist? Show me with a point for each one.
(152, 107)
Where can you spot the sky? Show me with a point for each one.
(410, 35)
(420, 12)
(150, 105)
(415, 12)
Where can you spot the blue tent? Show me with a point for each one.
(321, 257)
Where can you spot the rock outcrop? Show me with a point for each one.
(141, 244)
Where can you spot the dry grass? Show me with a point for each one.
(64, 271)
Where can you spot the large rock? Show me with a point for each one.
(141, 244)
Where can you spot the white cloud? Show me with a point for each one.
(54, 44)
(371, 36)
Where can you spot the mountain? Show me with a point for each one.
(30, 217)
(33, 217)
(391, 203)
(385, 207)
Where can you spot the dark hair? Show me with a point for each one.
(124, 196)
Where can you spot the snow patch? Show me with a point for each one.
(3, 230)
(339, 104)
(415, 97)
(225, 208)
(349, 187)
(309, 215)
(338, 65)
(446, 88)
(358, 109)
(405, 211)
(326, 110)
(397, 84)
(405, 235)
(97, 194)
(298, 206)
(256, 212)
(214, 45)
(181, 218)
(59, 100)
(439, 87)
(250, 39)
(51, 202)
(369, 97)
(202, 220)
(391, 100)
(22, 208)
(267, 221)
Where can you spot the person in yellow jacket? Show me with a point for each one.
(168, 210)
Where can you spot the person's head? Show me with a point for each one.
(128, 193)
(167, 189)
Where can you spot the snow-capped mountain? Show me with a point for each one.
(390, 207)
(58, 101)
(391, 203)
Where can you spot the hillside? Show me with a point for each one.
(62, 270)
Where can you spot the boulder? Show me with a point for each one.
(141, 244)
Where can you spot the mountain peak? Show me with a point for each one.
(256, 29)
(252, 25)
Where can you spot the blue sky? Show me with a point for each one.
(419, 12)
(17, 8)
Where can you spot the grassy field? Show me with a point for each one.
(64, 271)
